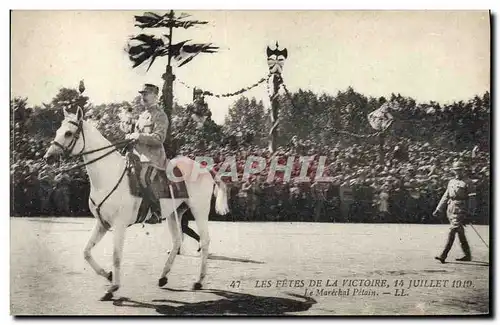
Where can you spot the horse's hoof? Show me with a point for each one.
(162, 282)
(108, 296)
(110, 276)
(197, 286)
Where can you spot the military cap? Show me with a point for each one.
(150, 88)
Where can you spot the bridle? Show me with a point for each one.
(67, 153)
(67, 150)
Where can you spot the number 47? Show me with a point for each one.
(235, 284)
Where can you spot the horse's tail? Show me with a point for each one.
(220, 193)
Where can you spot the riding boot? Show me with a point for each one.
(154, 205)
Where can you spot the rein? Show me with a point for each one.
(115, 146)
(106, 224)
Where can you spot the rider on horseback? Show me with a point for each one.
(149, 134)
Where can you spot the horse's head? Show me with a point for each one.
(68, 140)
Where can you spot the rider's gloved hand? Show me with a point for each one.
(132, 136)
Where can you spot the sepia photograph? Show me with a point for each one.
(250, 162)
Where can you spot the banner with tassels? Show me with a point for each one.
(381, 118)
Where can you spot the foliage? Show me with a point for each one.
(69, 99)
(246, 120)
(317, 118)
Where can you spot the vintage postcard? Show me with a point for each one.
(270, 163)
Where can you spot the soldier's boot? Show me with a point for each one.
(147, 174)
(449, 244)
(154, 205)
(465, 246)
(440, 259)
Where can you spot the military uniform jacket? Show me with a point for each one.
(458, 198)
(152, 127)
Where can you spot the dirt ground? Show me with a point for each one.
(253, 269)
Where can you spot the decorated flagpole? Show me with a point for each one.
(144, 48)
(273, 132)
(275, 60)
(381, 142)
(168, 88)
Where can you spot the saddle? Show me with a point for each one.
(160, 184)
(160, 187)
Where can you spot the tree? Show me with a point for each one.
(298, 116)
(246, 119)
(147, 48)
(19, 114)
(107, 117)
(69, 99)
(19, 110)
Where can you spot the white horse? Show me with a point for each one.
(114, 207)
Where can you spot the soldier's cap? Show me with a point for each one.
(150, 88)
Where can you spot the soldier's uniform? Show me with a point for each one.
(62, 193)
(459, 199)
(150, 133)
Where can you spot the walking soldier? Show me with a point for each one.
(459, 199)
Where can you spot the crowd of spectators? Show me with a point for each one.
(404, 187)
(403, 184)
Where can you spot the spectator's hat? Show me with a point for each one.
(458, 165)
(149, 88)
(414, 182)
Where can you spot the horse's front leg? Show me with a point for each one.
(97, 234)
(118, 243)
(175, 233)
